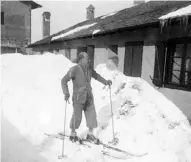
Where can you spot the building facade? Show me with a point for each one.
(16, 25)
(158, 51)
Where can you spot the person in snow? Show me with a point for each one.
(82, 95)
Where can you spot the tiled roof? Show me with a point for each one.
(133, 17)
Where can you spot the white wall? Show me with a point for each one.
(181, 99)
(73, 54)
(100, 56)
(62, 51)
(121, 55)
(148, 60)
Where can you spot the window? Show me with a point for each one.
(81, 49)
(133, 59)
(173, 64)
(2, 18)
(178, 61)
(113, 49)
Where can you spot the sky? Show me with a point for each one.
(67, 13)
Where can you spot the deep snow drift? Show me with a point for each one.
(33, 104)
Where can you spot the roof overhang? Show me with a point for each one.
(33, 4)
(154, 24)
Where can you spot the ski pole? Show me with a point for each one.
(115, 140)
(64, 156)
(111, 112)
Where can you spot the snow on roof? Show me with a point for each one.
(147, 14)
(96, 31)
(110, 14)
(73, 31)
(178, 13)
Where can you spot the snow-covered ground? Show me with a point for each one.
(33, 104)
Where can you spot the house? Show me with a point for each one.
(152, 41)
(16, 25)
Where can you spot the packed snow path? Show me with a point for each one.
(33, 104)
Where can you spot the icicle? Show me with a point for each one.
(169, 21)
(162, 24)
(181, 23)
(184, 19)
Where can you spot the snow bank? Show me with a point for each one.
(185, 11)
(96, 31)
(33, 104)
(145, 120)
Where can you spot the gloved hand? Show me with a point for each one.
(67, 96)
(109, 82)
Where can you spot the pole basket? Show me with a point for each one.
(115, 141)
(62, 157)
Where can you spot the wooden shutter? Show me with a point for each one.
(90, 52)
(128, 60)
(159, 65)
(2, 18)
(137, 60)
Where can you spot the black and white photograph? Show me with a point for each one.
(95, 81)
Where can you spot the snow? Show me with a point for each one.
(96, 31)
(33, 104)
(110, 14)
(185, 11)
(180, 98)
(73, 31)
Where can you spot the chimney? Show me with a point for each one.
(46, 24)
(90, 12)
(137, 2)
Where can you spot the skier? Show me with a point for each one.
(82, 95)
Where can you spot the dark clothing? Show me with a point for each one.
(81, 82)
(82, 94)
(89, 111)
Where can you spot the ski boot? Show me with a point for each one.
(74, 138)
(92, 138)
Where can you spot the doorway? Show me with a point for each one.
(133, 59)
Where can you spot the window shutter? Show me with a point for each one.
(137, 61)
(2, 18)
(159, 65)
(90, 51)
(128, 60)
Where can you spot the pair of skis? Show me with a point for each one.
(107, 151)
(61, 137)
